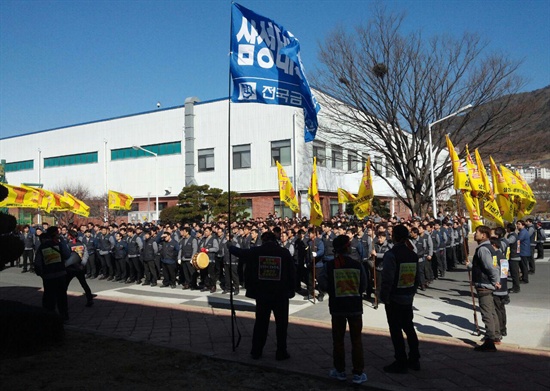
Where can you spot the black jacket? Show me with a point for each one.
(269, 272)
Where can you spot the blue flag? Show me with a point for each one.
(266, 66)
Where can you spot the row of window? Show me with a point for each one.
(91, 157)
(69, 160)
(353, 159)
(280, 151)
(173, 148)
(19, 166)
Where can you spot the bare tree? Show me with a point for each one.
(81, 192)
(397, 83)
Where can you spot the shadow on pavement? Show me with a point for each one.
(448, 363)
(458, 303)
(431, 330)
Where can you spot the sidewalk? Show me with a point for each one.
(447, 363)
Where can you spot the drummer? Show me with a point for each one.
(210, 246)
(189, 246)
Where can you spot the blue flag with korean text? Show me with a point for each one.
(266, 66)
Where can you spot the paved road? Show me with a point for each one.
(445, 309)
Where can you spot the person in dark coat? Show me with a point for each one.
(269, 274)
(49, 263)
(345, 280)
(400, 278)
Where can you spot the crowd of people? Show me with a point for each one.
(166, 255)
(211, 256)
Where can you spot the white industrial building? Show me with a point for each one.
(191, 143)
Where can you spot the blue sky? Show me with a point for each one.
(66, 62)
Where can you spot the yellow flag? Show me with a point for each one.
(60, 203)
(499, 183)
(363, 209)
(363, 201)
(506, 206)
(460, 174)
(501, 190)
(527, 204)
(513, 184)
(120, 201)
(77, 206)
(19, 197)
(478, 187)
(286, 191)
(366, 192)
(45, 197)
(484, 176)
(491, 210)
(345, 196)
(525, 186)
(473, 209)
(316, 217)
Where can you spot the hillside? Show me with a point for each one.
(528, 140)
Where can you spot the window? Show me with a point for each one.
(173, 148)
(334, 207)
(388, 170)
(241, 156)
(337, 157)
(20, 166)
(280, 151)
(162, 205)
(319, 151)
(248, 207)
(281, 209)
(377, 165)
(206, 159)
(352, 161)
(70, 160)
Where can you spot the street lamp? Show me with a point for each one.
(137, 147)
(434, 201)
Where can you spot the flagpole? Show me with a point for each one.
(231, 302)
(294, 160)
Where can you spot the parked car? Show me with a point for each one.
(546, 228)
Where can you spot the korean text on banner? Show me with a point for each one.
(266, 66)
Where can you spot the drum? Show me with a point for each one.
(200, 261)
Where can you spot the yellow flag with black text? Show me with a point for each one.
(473, 209)
(460, 174)
(77, 206)
(19, 197)
(286, 190)
(345, 196)
(500, 188)
(478, 187)
(119, 201)
(316, 214)
(491, 210)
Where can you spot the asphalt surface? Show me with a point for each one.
(444, 318)
(445, 309)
